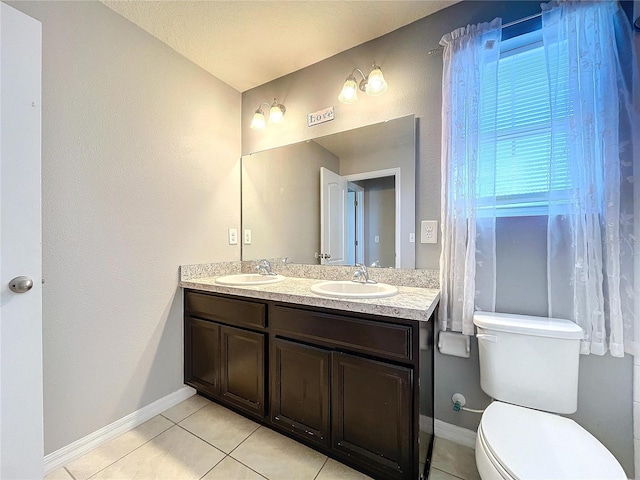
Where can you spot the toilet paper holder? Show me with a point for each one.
(456, 344)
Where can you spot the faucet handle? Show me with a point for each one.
(264, 267)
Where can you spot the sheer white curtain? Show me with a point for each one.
(591, 240)
(471, 55)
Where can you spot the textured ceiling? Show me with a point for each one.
(249, 43)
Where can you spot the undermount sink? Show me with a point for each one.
(349, 289)
(249, 279)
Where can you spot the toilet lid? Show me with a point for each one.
(530, 444)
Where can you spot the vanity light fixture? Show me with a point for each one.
(373, 85)
(276, 112)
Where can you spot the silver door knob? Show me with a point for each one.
(21, 284)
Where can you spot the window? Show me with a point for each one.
(521, 177)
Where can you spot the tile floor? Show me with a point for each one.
(198, 439)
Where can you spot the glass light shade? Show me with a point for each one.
(275, 114)
(376, 84)
(349, 93)
(258, 121)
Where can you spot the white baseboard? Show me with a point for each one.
(74, 450)
(462, 436)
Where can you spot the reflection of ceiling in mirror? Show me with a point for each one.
(399, 131)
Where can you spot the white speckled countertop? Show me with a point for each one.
(412, 303)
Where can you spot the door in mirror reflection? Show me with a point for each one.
(333, 218)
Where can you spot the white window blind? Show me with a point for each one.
(520, 178)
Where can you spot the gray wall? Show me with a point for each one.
(605, 401)
(281, 201)
(140, 173)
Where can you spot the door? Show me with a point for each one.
(242, 372)
(333, 218)
(371, 413)
(300, 389)
(21, 431)
(202, 355)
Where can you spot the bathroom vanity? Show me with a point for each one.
(343, 377)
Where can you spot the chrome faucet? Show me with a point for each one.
(361, 275)
(264, 268)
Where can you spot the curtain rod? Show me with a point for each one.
(507, 25)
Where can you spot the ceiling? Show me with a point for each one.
(249, 43)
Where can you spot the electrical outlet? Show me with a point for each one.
(247, 236)
(429, 231)
(376, 239)
(233, 236)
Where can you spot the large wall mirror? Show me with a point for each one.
(341, 199)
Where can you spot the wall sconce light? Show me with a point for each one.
(276, 112)
(373, 85)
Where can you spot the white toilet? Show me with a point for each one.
(529, 366)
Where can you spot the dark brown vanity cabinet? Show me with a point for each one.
(343, 383)
(202, 355)
(300, 386)
(372, 413)
(223, 358)
(348, 381)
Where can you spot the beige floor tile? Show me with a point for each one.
(59, 474)
(179, 412)
(278, 457)
(230, 469)
(110, 452)
(333, 470)
(436, 474)
(174, 454)
(455, 459)
(219, 426)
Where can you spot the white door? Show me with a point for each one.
(21, 432)
(333, 218)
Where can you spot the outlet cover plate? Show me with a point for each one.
(429, 231)
(233, 236)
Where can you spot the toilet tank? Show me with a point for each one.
(529, 361)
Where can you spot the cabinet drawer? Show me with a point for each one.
(377, 338)
(225, 310)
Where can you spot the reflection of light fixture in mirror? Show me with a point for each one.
(276, 112)
(373, 85)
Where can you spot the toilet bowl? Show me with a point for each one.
(529, 366)
(520, 443)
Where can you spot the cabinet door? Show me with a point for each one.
(202, 355)
(371, 414)
(300, 389)
(242, 375)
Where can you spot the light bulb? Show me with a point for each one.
(376, 85)
(349, 93)
(276, 112)
(258, 121)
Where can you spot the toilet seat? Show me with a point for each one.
(522, 443)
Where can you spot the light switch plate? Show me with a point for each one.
(429, 231)
(233, 236)
(412, 237)
(247, 236)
